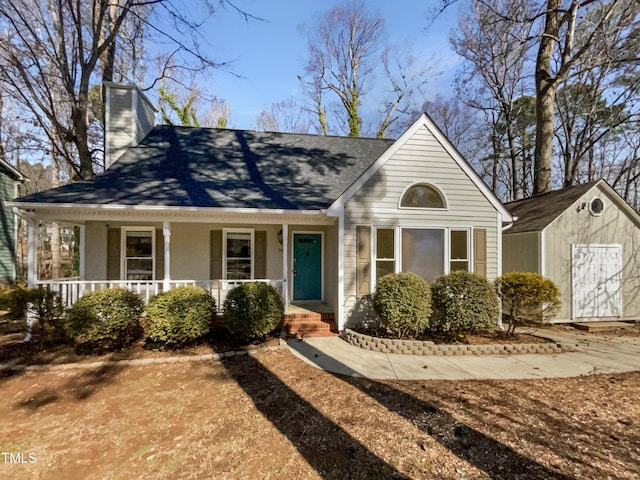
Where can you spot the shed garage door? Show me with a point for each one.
(596, 278)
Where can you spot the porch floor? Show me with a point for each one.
(309, 319)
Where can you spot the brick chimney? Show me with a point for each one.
(129, 116)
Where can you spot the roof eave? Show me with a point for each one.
(26, 206)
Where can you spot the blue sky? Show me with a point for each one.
(270, 55)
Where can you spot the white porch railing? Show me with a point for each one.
(71, 290)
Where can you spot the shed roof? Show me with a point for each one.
(209, 167)
(537, 212)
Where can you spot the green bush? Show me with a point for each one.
(527, 298)
(463, 302)
(402, 301)
(179, 316)
(47, 307)
(15, 299)
(104, 320)
(253, 310)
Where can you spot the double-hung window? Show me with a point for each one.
(138, 249)
(385, 251)
(459, 250)
(238, 254)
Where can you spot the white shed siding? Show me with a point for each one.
(421, 159)
(577, 226)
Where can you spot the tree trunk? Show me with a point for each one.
(546, 87)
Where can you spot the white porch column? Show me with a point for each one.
(32, 253)
(285, 265)
(81, 248)
(166, 232)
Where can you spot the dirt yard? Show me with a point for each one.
(271, 416)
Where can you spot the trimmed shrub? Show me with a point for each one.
(527, 298)
(104, 320)
(179, 316)
(253, 310)
(47, 307)
(463, 302)
(402, 301)
(15, 299)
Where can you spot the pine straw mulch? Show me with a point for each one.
(272, 416)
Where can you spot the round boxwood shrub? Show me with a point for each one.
(15, 299)
(179, 316)
(463, 302)
(527, 298)
(402, 301)
(253, 310)
(104, 320)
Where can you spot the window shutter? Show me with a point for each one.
(215, 265)
(159, 254)
(113, 254)
(363, 261)
(260, 255)
(480, 251)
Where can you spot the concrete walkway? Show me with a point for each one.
(595, 354)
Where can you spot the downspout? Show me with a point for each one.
(504, 229)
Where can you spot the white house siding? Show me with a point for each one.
(145, 117)
(520, 252)
(190, 248)
(421, 159)
(577, 226)
(95, 257)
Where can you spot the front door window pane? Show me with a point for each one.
(423, 252)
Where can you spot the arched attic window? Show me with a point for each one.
(422, 195)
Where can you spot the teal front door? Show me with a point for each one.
(307, 266)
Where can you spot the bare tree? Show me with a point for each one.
(284, 116)
(494, 42)
(51, 53)
(577, 35)
(342, 46)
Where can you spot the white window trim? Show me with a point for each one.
(604, 206)
(425, 209)
(398, 246)
(226, 231)
(123, 249)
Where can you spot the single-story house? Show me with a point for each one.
(320, 217)
(586, 239)
(10, 178)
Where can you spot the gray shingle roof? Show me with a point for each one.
(207, 167)
(537, 212)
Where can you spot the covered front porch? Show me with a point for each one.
(150, 253)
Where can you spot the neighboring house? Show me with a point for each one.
(586, 239)
(320, 217)
(10, 178)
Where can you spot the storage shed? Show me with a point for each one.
(586, 239)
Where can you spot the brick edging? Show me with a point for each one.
(215, 357)
(420, 347)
